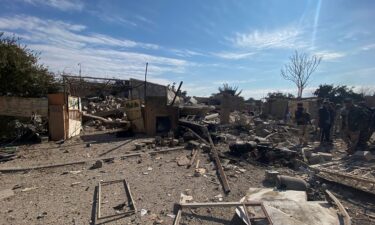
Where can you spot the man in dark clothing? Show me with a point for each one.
(358, 121)
(303, 119)
(365, 133)
(332, 113)
(325, 122)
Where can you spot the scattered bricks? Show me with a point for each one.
(192, 144)
(363, 155)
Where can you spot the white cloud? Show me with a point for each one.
(329, 55)
(289, 37)
(233, 55)
(186, 52)
(65, 5)
(62, 33)
(368, 47)
(63, 45)
(234, 82)
(111, 18)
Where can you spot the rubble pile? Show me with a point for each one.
(105, 113)
(99, 107)
(267, 141)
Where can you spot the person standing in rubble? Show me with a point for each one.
(357, 126)
(332, 113)
(303, 119)
(325, 123)
(366, 133)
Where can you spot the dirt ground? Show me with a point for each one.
(67, 195)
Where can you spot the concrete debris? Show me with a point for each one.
(143, 212)
(290, 183)
(288, 207)
(98, 164)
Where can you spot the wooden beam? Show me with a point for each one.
(9, 170)
(218, 204)
(193, 158)
(219, 167)
(104, 120)
(175, 96)
(197, 135)
(178, 217)
(344, 213)
(99, 199)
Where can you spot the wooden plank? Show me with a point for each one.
(130, 195)
(178, 217)
(193, 158)
(344, 213)
(246, 214)
(127, 190)
(219, 167)
(197, 135)
(218, 204)
(104, 120)
(8, 170)
(99, 198)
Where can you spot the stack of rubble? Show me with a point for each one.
(105, 113)
(107, 107)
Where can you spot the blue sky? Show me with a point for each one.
(204, 43)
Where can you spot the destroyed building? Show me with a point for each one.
(137, 153)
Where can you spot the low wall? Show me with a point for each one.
(23, 107)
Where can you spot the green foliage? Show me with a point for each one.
(231, 90)
(20, 73)
(280, 95)
(337, 94)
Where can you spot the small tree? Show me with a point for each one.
(299, 70)
(280, 95)
(20, 72)
(337, 94)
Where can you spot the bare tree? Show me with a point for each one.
(299, 70)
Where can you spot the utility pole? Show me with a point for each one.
(145, 91)
(79, 64)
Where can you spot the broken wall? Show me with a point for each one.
(276, 108)
(23, 107)
(156, 107)
(138, 89)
